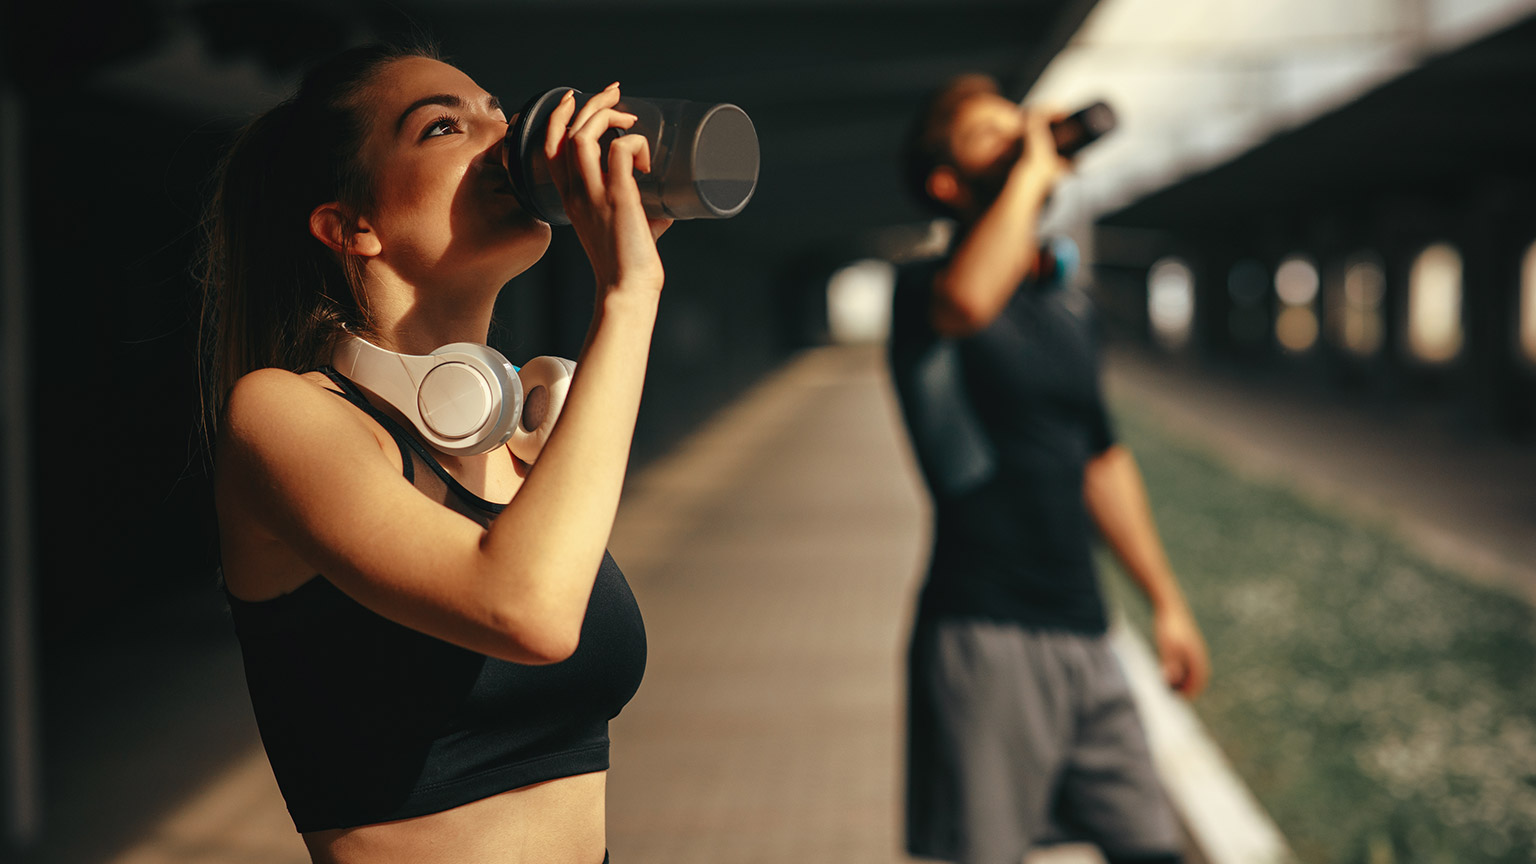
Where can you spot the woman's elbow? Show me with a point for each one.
(535, 639)
(551, 651)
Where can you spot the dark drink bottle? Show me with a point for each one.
(704, 157)
(1081, 128)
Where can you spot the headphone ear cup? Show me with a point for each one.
(499, 401)
(545, 381)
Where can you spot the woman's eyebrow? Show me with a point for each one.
(447, 100)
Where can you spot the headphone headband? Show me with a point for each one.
(464, 398)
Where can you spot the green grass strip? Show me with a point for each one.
(1381, 708)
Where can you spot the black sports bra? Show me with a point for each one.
(365, 720)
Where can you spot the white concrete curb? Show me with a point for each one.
(1225, 821)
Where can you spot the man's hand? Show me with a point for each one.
(1186, 665)
(1041, 167)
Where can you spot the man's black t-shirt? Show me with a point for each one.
(1003, 423)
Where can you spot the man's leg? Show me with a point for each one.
(1110, 790)
(1005, 709)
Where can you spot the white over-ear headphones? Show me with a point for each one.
(464, 398)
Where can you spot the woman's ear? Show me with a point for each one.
(944, 186)
(342, 233)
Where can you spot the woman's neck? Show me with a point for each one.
(420, 334)
(419, 320)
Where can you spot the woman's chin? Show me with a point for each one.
(529, 227)
(527, 249)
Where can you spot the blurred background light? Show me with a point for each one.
(1434, 304)
(1296, 284)
(1296, 328)
(1364, 287)
(1296, 281)
(859, 301)
(1171, 302)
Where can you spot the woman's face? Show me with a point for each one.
(443, 209)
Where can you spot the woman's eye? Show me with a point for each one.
(441, 126)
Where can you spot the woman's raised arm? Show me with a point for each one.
(311, 472)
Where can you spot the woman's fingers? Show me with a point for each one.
(589, 149)
(605, 98)
(624, 156)
(554, 144)
(598, 164)
(564, 124)
(559, 119)
(635, 149)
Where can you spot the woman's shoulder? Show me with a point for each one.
(286, 444)
(271, 410)
(270, 383)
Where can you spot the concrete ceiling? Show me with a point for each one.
(829, 85)
(1455, 127)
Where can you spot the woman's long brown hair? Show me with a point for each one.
(273, 295)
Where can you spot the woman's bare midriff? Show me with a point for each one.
(556, 822)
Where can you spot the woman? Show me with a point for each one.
(434, 644)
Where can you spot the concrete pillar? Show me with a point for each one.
(1211, 336)
(1485, 347)
(20, 771)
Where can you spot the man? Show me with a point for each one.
(1021, 726)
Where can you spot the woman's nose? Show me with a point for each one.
(490, 157)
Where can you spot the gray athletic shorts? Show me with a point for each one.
(1021, 737)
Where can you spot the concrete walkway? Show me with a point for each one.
(774, 555)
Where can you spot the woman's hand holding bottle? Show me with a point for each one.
(603, 202)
